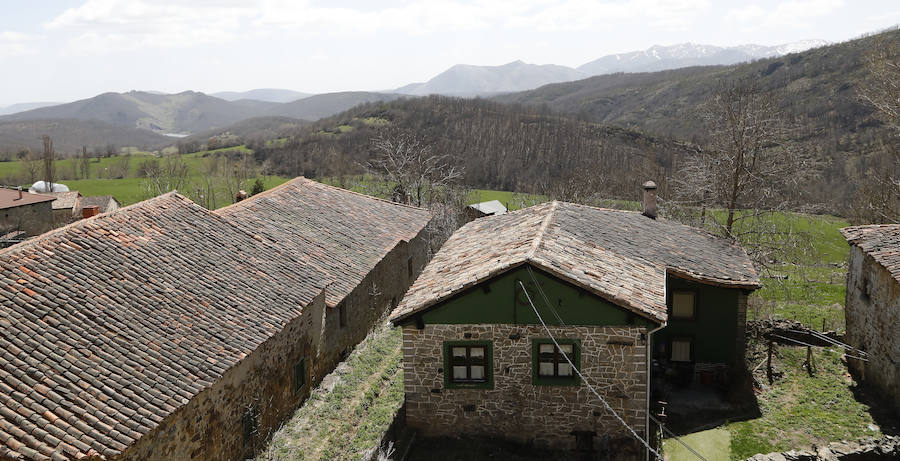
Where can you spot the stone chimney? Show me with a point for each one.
(650, 199)
(241, 195)
(90, 210)
(20, 193)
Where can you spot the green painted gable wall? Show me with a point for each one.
(714, 328)
(501, 301)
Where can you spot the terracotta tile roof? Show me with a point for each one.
(621, 256)
(65, 200)
(880, 241)
(111, 323)
(9, 198)
(344, 233)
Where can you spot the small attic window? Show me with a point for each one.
(299, 375)
(684, 305)
(342, 315)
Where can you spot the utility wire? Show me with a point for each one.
(813, 345)
(594, 391)
(546, 300)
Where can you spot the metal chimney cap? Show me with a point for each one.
(649, 185)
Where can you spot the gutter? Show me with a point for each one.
(647, 414)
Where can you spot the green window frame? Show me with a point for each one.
(468, 365)
(549, 367)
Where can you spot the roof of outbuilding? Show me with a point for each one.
(9, 198)
(621, 256)
(880, 241)
(111, 323)
(491, 207)
(343, 232)
(65, 200)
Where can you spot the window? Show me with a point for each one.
(468, 364)
(684, 304)
(681, 349)
(299, 375)
(342, 315)
(549, 364)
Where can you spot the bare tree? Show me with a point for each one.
(413, 171)
(49, 162)
(170, 173)
(84, 164)
(749, 167)
(878, 198)
(31, 166)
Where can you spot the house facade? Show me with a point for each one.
(500, 320)
(872, 307)
(24, 214)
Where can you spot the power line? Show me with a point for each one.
(594, 391)
(546, 300)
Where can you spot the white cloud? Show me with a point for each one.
(14, 44)
(794, 13)
(107, 25)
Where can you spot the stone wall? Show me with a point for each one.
(872, 315)
(260, 388)
(33, 219)
(378, 293)
(515, 408)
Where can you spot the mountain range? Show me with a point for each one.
(192, 112)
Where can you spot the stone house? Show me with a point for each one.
(872, 307)
(373, 248)
(165, 331)
(64, 206)
(478, 359)
(24, 214)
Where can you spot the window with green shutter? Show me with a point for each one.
(468, 365)
(549, 364)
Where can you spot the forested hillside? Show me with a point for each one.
(817, 89)
(499, 146)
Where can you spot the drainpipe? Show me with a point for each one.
(647, 416)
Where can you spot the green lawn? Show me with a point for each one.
(132, 190)
(714, 445)
(801, 410)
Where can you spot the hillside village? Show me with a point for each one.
(684, 252)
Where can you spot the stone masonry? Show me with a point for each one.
(873, 313)
(612, 358)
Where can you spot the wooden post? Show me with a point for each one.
(809, 360)
(823, 324)
(769, 362)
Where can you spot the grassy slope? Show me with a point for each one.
(352, 417)
(801, 410)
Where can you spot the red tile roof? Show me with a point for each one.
(880, 241)
(344, 233)
(9, 198)
(619, 255)
(111, 323)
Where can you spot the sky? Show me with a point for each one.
(64, 50)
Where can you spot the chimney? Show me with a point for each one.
(650, 199)
(241, 195)
(90, 210)
(20, 193)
